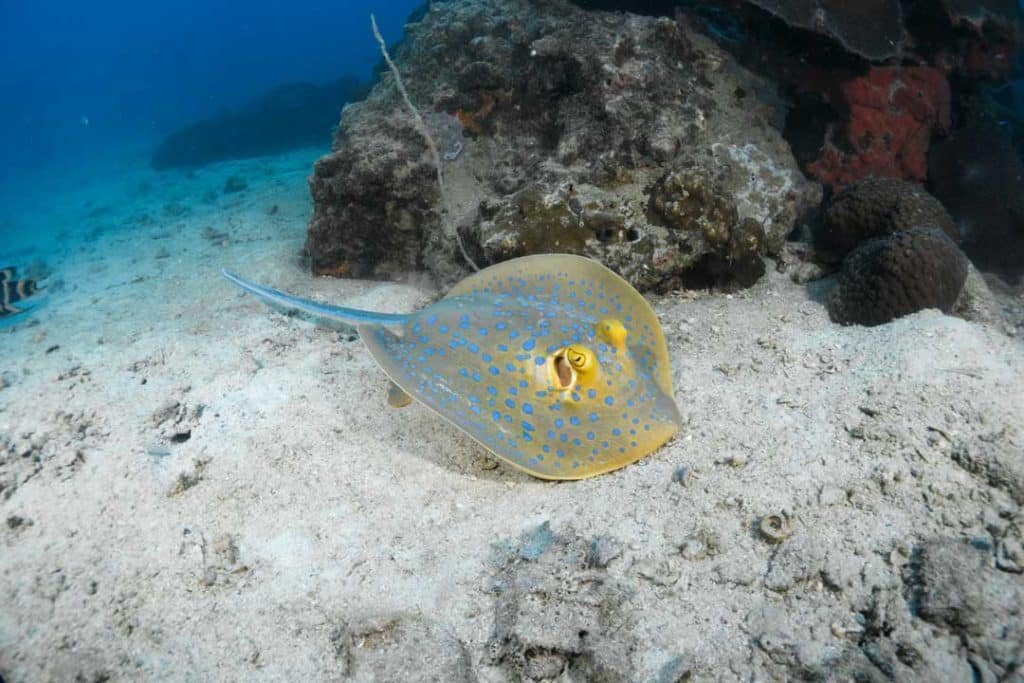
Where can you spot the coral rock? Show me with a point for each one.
(572, 118)
(891, 114)
(892, 276)
(881, 206)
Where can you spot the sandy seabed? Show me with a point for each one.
(193, 487)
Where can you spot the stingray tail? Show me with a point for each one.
(323, 314)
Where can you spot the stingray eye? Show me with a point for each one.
(613, 331)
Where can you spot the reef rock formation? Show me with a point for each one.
(888, 277)
(872, 29)
(633, 140)
(994, 16)
(288, 116)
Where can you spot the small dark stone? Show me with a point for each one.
(235, 184)
(15, 522)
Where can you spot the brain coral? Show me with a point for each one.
(880, 206)
(894, 275)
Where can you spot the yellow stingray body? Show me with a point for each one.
(552, 362)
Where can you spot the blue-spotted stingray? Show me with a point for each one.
(552, 362)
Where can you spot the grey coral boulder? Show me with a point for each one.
(588, 132)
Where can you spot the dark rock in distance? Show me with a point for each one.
(880, 206)
(289, 116)
(888, 277)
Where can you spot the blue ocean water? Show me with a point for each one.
(92, 87)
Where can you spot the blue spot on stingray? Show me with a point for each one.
(500, 325)
(510, 403)
(591, 393)
(539, 360)
(609, 401)
(574, 420)
(594, 417)
(492, 391)
(559, 422)
(529, 344)
(482, 331)
(527, 426)
(485, 357)
(494, 371)
(443, 329)
(473, 348)
(476, 376)
(528, 409)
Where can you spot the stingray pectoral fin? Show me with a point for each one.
(322, 314)
(396, 397)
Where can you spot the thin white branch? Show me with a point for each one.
(421, 127)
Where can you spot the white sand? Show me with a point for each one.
(300, 501)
